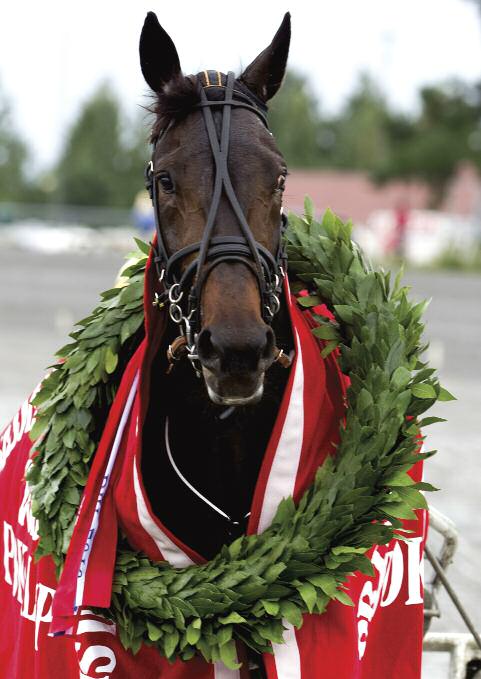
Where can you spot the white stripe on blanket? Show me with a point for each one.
(223, 672)
(287, 656)
(282, 477)
(103, 489)
(170, 551)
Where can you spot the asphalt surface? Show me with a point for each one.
(42, 295)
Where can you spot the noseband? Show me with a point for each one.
(183, 289)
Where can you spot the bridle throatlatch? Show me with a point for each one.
(182, 290)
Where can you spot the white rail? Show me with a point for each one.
(463, 648)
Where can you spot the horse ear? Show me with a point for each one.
(159, 60)
(264, 75)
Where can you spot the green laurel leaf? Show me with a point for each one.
(445, 395)
(423, 390)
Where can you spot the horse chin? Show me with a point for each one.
(228, 395)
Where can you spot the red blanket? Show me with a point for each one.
(380, 637)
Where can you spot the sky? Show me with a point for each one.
(54, 54)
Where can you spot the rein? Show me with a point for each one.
(183, 289)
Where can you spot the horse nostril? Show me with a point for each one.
(268, 351)
(205, 348)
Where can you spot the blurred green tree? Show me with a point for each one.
(13, 156)
(100, 165)
(137, 152)
(432, 144)
(295, 121)
(367, 134)
(356, 138)
(360, 131)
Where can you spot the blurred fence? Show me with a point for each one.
(428, 236)
(64, 214)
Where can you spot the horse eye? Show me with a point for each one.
(166, 182)
(281, 182)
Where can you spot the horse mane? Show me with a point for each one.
(178, 98)
(174, 102)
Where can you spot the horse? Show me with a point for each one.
(232, 398)
(209, 442)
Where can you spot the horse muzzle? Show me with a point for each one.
(234, 362)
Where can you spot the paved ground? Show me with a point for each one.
(41, 296)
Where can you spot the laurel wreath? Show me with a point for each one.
(358, 499)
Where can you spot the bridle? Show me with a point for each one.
(182, 290)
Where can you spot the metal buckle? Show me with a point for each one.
(194, 361)
(175, 312)
(274, 305)
(175, 299)
(158, 301)
(277, 303)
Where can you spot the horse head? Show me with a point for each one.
(216, 178)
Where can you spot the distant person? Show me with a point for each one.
(143, 214)
(402, 214)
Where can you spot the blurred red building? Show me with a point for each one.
(354, 195)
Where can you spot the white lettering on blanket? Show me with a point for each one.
(25, 516)
(391, 570)
(20, 425)
(35, 599)
(89, 655)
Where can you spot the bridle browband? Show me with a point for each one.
(183, 289)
